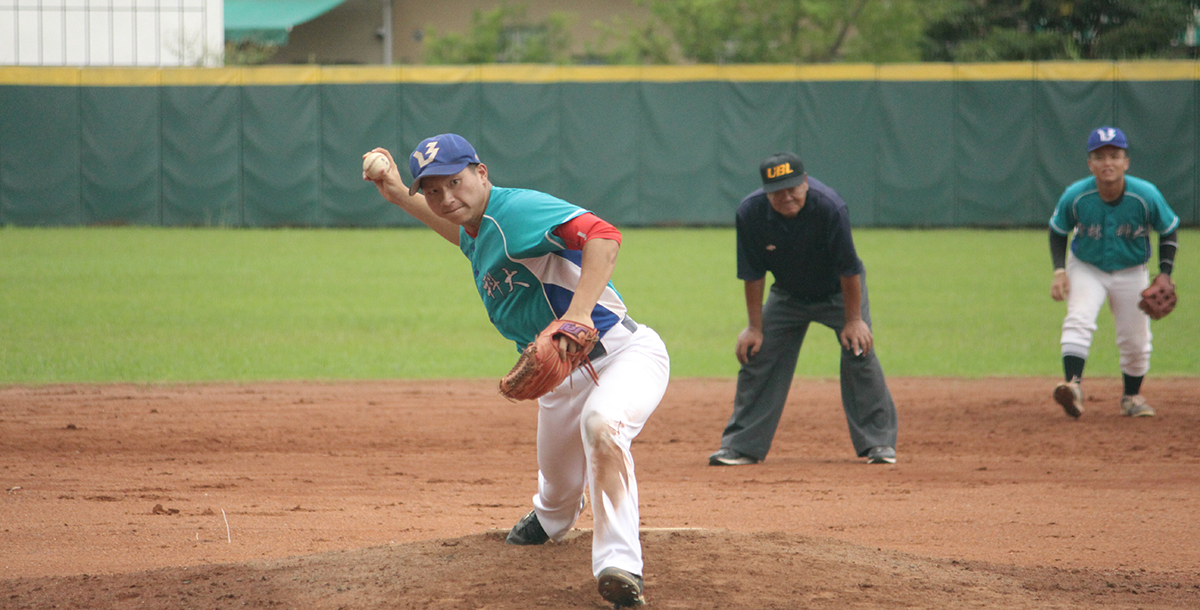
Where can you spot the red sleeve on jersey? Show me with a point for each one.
(579, 230)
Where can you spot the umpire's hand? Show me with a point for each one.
(856, 337)
(749, 340)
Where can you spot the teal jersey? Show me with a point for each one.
(523, 272)
(1112, 236)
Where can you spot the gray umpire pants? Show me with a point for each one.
(764, 381)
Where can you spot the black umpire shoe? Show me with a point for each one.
(527, 531)
(622, 588)
(728, 457)
(881, 455)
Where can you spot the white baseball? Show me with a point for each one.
(375, 165)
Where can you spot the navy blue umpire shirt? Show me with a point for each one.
(807, 254)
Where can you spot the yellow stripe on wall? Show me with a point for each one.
(832, 72)
(759, 73)
(120, 77)
(916, 72)
(540, 74)
(63, 77)
(439, 74)
(1017, 70)
(1157, 70)
(519, 73)
(281, 75)
(360, 75)
(601, 74)
(1076, 70)
(201, 76)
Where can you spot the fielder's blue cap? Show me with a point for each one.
(442, 155)
(1107, 136)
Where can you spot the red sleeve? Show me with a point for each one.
(579, 230)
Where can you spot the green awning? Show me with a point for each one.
(269, 21)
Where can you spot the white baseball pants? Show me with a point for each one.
(1123, 289)
(583, 439)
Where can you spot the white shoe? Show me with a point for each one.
(1136, 406)
(1070, 395)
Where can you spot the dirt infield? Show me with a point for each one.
(397, 494)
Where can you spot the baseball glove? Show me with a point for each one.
(1159, 299)
(555, 353)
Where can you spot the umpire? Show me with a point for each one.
(799, 229)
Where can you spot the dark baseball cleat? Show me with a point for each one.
(1070, 396)
(729, 457)
(622, 588)
(881, 455)
(527, 531)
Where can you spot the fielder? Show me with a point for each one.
(1110, 215)
(541, 262)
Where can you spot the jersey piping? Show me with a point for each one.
(556, 272)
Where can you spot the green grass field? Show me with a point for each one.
(149, 305)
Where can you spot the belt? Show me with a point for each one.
(628, 322)
(599, 352)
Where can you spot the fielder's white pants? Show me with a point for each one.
(583, 438)
(1090, 286)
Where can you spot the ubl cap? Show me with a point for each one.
(781, 171)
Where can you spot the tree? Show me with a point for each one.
(1023, 30)
(249, 52)
(774, 31)
(503, 35)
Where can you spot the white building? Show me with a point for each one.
(111, 32)
(194, 32)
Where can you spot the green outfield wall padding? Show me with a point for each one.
(677, 154)
(838, 134)
(994, 152)
(520, 125)
(603, 124)
(348, 200)
(430, 109)
(40, 156)
(1163, 116)
(281, 148)
(915, 176)
(753, 117)
(928, 145)
(121, 155)
(1063, 114)
(201, 156)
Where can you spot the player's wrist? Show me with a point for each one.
(578, 317)
(1059, 271)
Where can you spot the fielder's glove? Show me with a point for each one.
(555, 353)
(1159, 299)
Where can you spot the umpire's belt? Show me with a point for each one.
(599, 351)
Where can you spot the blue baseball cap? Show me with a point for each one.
(1107, 136)
(442, 155)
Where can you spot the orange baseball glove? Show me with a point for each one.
(556, 352)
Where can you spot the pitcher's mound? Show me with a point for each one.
(685, 568)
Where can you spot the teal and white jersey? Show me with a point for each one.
(1112, 237)
(524, 273)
